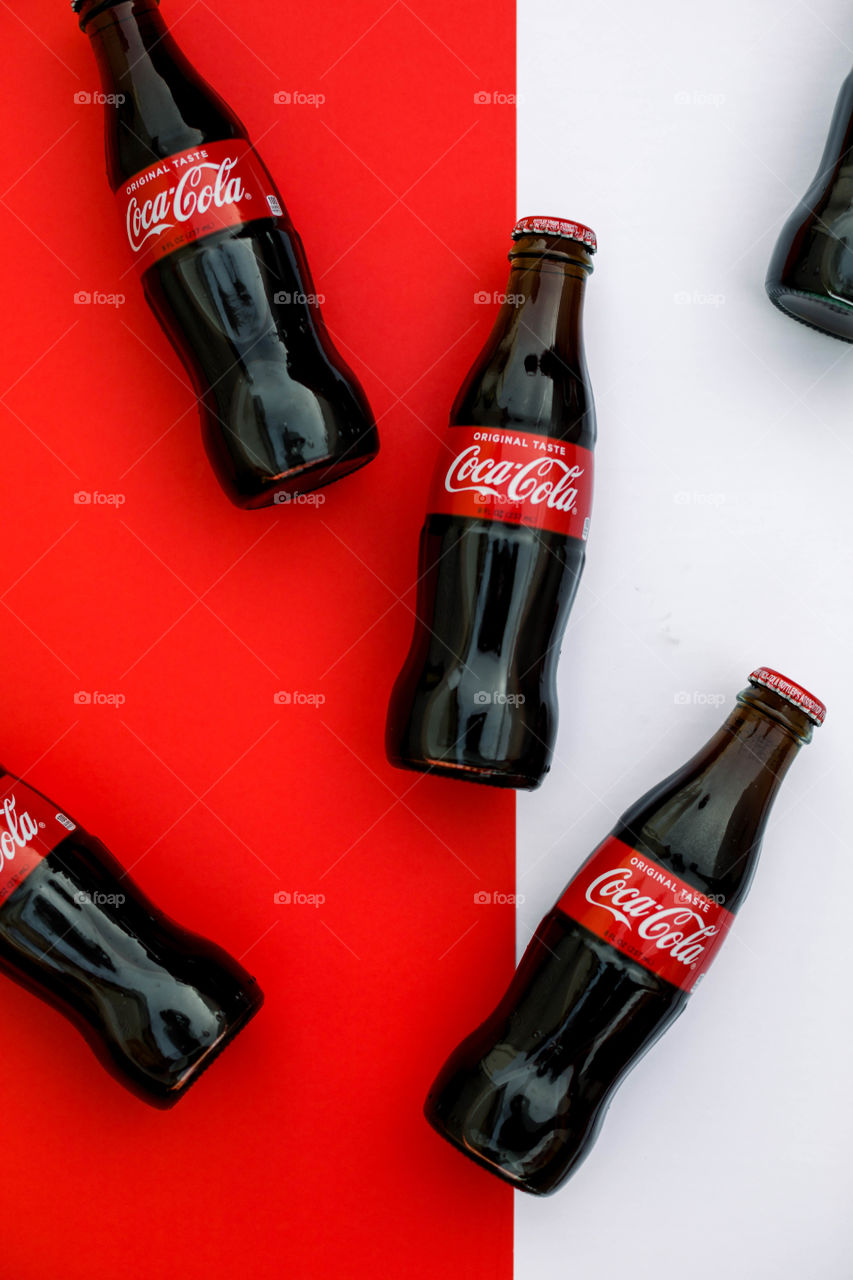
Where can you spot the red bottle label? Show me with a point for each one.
(193, 193)
(514, 476)
(647, 913)
(30, 828)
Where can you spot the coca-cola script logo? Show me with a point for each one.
(20, 830)
(203, 185)
(646, 911)
(540, 480)
(663, 927)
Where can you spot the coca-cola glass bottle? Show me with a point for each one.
(223, 268)
(612, 965)
(810, 276)
(504, 541)
(156, 1002)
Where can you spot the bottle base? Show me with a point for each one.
(827, 315)
(167, 1099)
(288, 487)
(482, 773)
(479, 1159)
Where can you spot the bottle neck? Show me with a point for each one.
(123, 36)
(157, 104)
(707, 820)
(752, 751)
(547, 312)
(532, 371)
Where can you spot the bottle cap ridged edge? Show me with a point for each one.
(791, 692)
(538, 225)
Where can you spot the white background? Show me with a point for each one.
(721, 540)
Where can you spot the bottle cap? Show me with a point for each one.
(793, 693)
(539, 226)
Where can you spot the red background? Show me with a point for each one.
(303, 1151)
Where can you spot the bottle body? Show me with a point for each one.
(613, 964)
(280, 411)
(810, 276)
(526, 1093)
(503, 546)
(224, 270)
(476, 698)
(156, 1002)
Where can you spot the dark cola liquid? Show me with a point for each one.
(156, 1002)
(810, 276)
(525, 1095)
(476, 698)
(477, 695)
(281, 411)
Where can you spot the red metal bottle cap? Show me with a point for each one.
(793, 693)
(539, 226)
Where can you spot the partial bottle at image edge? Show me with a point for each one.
(810, 276)
(612, 965)
(156, 1003)
(223, 268)
(504, 542)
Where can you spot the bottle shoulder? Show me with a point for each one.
(835, 163)
(705, 829)
(525, 387)
(164, 110)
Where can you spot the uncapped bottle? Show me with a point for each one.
(613, 964)
(156, 1002)
(504, 541)
(223, 268)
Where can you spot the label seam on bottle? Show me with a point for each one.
(514, 477)
(647, 912)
